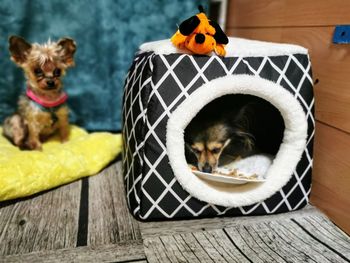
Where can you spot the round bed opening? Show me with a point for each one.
(234, 136)
(285, 141)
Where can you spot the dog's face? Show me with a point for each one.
(210, 142)
(207, 145)
(44, 65)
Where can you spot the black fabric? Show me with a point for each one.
(155, 86)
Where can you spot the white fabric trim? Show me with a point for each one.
(235, 47)
(283, 165)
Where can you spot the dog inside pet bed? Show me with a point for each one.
(235, 135)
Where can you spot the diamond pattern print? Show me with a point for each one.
(155, 86)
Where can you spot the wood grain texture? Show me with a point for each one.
(206, 246)
(278, 241)
(167, 228)
(325, 231)
(109, 218)
(131, 251)
(331, 174)
(303, 238)
(330, 65)
(286, 13)
(45, 222)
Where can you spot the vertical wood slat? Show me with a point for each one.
(109, 220)
(287, 13)
(331, 174)
(45, 222)
(330, 64)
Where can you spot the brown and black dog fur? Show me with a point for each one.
(44, 66)
(232, 127)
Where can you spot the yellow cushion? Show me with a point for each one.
(23, 173)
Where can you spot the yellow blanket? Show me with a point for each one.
(23, 173)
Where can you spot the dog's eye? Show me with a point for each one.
(57, 72)
(216, 150)
(196, 151)
(38, 72)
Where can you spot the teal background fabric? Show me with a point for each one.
(107, 33)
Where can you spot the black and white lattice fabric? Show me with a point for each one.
(164, 90)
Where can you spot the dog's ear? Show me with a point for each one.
(219, 36)
(67, 51)
(246, 138)
(187, 26)
(19, 49)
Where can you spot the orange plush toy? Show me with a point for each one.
(200, 35)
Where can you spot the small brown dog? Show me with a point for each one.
(42, 110)
(232, 127)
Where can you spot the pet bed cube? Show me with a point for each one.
(165, 88)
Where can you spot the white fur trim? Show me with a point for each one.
(283, 165)
(235, 47)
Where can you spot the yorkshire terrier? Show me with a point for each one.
(230, 128)
(42, 110)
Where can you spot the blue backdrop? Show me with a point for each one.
(107, 33)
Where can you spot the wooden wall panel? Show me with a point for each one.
(311, 24)
(330, 63)
(331, 174)
(286, 13)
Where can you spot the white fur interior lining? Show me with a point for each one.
(283, 165)
(235, 47)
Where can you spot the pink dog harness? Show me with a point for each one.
(45, 102)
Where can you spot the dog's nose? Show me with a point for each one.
(200, 38)
(207, 168)
(50, 83)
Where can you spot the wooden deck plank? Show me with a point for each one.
(131, 251)
(45, 222)
(328, 249)
(286, 13)
(165, 250)
(273, 238)
(250, 245)
(280, 245)
(224, 246)
(109, 219)
(257, 246)
(165, 228)
(325, 231)
(202, 246)
(203, 253)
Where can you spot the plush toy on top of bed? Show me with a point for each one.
(200, 35)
